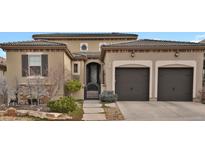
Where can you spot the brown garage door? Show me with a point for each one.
(175, 84)
(132, 84)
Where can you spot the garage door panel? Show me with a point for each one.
(175, 84)
(132, 84)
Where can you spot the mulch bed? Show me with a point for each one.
(113, 113)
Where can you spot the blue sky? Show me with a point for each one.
(179, 36)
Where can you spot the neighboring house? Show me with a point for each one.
(137, 70)
(3, 88)
(203, 41)
(2, 66)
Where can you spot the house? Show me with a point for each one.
(55, 59)
(135, 69)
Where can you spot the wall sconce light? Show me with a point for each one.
(176, 54)
(132, 54)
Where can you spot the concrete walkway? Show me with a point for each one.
(93, 111)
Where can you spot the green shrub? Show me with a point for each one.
(73, 86)
(108, 96)
(63, 105)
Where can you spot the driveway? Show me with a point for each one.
(162, 111)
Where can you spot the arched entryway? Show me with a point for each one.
(92, 88)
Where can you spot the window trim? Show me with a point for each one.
(81, 44)
(78, 68)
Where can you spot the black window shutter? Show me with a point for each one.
(24, 61)
(44, 62)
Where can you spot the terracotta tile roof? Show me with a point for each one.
(86, 55)
(146, 43)
(203, 41)
(32, 43)
(152, 45)
(85, 35)
(35, 44)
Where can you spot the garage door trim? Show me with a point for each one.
(143, 63)
(169, 64)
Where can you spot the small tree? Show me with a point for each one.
(48, 86)
(73, 86)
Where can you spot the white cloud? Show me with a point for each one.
(201, 36)
(195, 41)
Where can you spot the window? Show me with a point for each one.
(76, 68)
(83, 47)
(34, 65)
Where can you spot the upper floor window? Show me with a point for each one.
(83, 47)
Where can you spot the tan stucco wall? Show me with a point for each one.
(93, 45)
(154, 57)
(57, 62)
(81, 77)
(67, 67)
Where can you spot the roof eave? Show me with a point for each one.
(109, 48)
(16, 47)
(83, 38)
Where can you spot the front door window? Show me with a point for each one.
(93, 73)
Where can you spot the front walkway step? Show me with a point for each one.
(93, 110)
(92, 101)
(94, 117)
(91, 105)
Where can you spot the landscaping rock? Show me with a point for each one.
(53, 115)
(2, 113)
(22, 113)
(11, 112)
(64, 117)
(36, 114)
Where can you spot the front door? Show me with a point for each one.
(92, 89)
